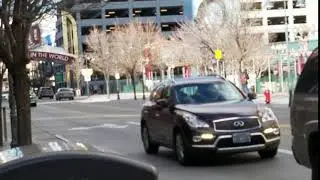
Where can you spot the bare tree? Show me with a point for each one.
(233, 32)
(77, 65)
(16, 18)
(129, 42)
(101, 54)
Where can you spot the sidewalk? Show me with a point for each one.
(39, 136)
(105, 98)
(276, 98)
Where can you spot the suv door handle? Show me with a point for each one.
(157, 114)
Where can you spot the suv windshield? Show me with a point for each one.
(212, 92)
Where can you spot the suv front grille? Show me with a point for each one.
(237, 124)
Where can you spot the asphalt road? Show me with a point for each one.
(114, 126)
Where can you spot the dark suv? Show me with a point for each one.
(45, 92)
(304, 117)
(207, 114)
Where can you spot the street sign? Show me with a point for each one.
(218, 54)
(87, 74)
(117, 75)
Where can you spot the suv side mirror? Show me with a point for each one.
(162, 102)
(252, 95)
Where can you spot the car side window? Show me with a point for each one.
(308, 81)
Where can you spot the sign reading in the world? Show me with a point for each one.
(51, 57)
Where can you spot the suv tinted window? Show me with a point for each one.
(308, 81)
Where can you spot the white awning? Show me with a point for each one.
(54, 50)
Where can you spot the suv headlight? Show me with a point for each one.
(266, 114)
(192, 120)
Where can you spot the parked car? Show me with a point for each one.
(304, 117)
(46, 92)
(65, 93)
(33, 98)
(207, 114)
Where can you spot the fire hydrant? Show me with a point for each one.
(267, 96)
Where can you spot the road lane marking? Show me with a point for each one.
(285, 151)
(112, 126)
(134, 123)
(62, 138)
(107, 150)
(87, 116)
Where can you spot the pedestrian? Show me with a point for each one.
(244, 82)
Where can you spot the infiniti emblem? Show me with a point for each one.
(238, 124)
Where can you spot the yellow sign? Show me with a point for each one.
(218, 54)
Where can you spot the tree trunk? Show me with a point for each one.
(107, 79)
(133, 85)
(168, 73)
(20, 82)
(239, 75)
(13, 113)
(1, 119)
(162, 75)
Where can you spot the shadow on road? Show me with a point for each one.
(168, 157)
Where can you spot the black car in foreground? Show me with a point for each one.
(63, 160)
(207, 114)
(304, 119)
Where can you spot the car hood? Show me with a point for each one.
(214, 111)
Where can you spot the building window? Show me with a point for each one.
(299, 19)
(144, 12)
(85, 30)
(92, 14)
(278, 5)
(277, 20)
(277, 37)
(251, 6)
(169, 26)
(297, 5)
(169, 11)
(116, 13)
(254, 22)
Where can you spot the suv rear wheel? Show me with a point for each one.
(268, 153)
(149, 146)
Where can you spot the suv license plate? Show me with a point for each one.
(239, 138)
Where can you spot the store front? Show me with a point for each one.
(48, 66)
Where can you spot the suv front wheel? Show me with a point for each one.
(268, 153)
(182, 152)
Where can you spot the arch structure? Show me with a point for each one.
(52, 54)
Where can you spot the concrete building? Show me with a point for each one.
(269, 16)
(165, 13)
